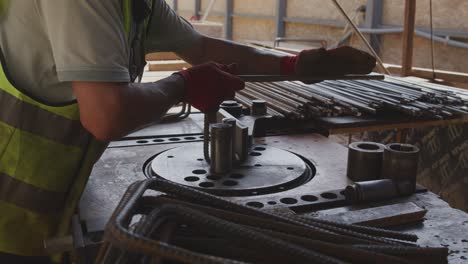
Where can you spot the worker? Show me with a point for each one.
(66, 88)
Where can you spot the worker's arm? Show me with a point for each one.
(110, 110)
(250, 60)
(343, 60)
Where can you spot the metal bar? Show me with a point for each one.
(255, 16)
(373, 20)
(228, 19)
(197, 9)
(408, 35)
(280, 78)
(279, 18)
(207, 11)
(361, 36)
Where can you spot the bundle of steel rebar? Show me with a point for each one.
(296, 100)
(179, 224)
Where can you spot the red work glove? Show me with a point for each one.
(339, 61)
(209, 84)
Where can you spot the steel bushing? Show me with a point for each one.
(400, 163)
(259, 108)
(232, 107)
(364, 161)
(221, 148)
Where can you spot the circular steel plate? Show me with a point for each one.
(267, 170)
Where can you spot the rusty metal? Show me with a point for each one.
(174, 228)
(300, 231)
(423, 255)
(191, 194)
(118, 234)
(364, 161)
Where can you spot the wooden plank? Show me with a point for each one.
(170, 65)
(382, 216)
(426, 73)
(162, 56)
(408, 35)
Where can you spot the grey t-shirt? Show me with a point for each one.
(49, 43)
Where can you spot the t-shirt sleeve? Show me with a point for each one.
(167, 30)
(87, 39)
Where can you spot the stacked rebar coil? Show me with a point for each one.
(167, 226)
(297, 100)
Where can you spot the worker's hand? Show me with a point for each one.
(322, 62)
(209, 84)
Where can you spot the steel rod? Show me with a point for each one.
(281, 78)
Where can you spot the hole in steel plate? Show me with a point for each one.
(271, 203)
(368, 146)
(255, 204)
(288, 200)
(290, 168)
(236, 176)
(199, 171)
(191, 178)
(258, 165)
(229, 183)
(142, 141)
(170, 156)
(201, 137)
(309, 198)
(200, 159)
(259, 148)
(213, 177)
(158, 140)
(255, 154)
(206, 184)
(328, 195)
(174, 139)
(342, 192)
(190, 138)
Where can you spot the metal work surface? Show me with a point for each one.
(268, 170)
(120, 166)
(442, 225)
(188, 126)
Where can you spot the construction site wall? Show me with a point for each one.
(318, 19)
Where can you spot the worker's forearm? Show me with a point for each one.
(148, 102)
(112, 110)
(249, 59)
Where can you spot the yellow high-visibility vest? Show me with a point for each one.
(46, 157)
